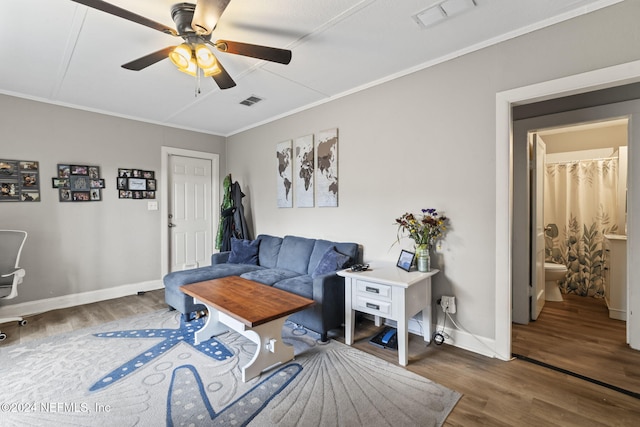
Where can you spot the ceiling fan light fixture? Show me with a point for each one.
(191, 68)
(181, 56)
(206, 15)
(204, 57)
(211, 71)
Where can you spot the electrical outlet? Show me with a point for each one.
(448, 304)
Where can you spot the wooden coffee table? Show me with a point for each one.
(252, 309)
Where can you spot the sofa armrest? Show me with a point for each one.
(220, 258)
(329, 287)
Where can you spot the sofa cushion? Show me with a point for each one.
(322, 246)
(269, 250)
(184, 277)
(299, 285)
(269, 276)
(294, 254)
(331, 261)
(244, 251)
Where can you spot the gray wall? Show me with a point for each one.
(423, 140)
(82, 247)
(429, 140)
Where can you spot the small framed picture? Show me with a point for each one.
(60, 182)
(29, 166)
(79, 170)
(65, 195)
(139, 184)
(79, 182)
(405, 260)
(96, 183)
(94, 172)
(64, 171)
(148, 174)
(80, 196)
(8, 168)
(121, 183)
(124, 173)
(151, 184)
(29, 180)
(95, 194)
(9, 191)
(30, 196)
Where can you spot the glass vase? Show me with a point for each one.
(423, 260)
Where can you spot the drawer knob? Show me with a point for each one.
(373, 290)
(374, 306)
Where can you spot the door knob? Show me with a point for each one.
(171, 225)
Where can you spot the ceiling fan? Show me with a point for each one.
(194, 24)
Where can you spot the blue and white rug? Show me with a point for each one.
(146, 371)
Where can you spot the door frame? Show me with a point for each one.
(593, 80)
(536, 211)
(166, 153)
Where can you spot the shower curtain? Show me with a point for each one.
(580, 201)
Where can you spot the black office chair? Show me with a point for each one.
(11, 243)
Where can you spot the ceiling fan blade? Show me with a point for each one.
(207, 14)
(272, 54)
(223, 79)
(150, 59)
(125, 14)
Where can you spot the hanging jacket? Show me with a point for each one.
(227, 203)
(241, 231)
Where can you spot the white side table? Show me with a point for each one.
(386, 291)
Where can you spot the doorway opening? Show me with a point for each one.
(583, 213)
(584, 207)
(618, 76)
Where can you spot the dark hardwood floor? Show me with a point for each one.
(82, 316)
(578, 335)
(495, 393)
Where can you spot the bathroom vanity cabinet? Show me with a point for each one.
(615, 277)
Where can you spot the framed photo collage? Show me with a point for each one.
(78, 183)
(136, 184)
(19, 181)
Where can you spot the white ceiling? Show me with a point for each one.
(60, 52)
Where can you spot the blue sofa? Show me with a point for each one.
(300, 265)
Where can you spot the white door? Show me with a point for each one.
(190, 212)
(538, 154)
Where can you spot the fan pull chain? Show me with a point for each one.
(197, 89)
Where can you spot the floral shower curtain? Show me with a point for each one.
(580, 201)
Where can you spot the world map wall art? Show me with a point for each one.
(308, 172)
(303, 162)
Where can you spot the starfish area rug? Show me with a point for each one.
(147, 371)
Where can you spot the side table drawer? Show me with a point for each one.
(372, 306)
(376, 290)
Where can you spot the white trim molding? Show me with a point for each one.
(40, 306)
(593, 80)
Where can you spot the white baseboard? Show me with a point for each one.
(466, 341)
(456, 337)
(40, 306)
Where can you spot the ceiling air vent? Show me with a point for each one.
(445, 9)
(251, 100)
